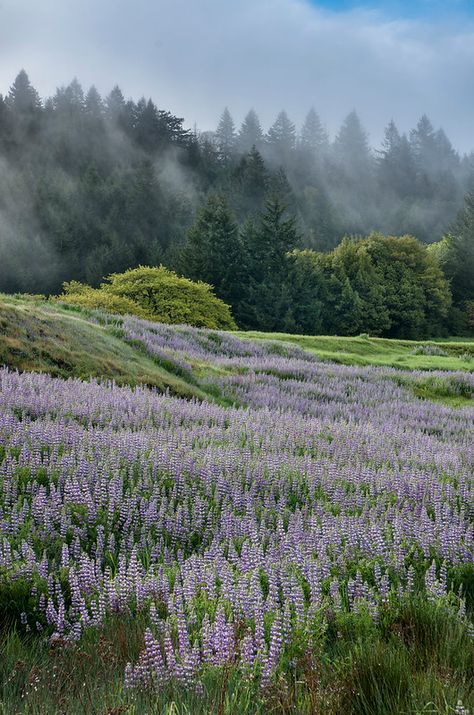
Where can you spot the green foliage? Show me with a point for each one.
(365, 350)
(167, 298)
(63, 340)
(154, 294)
(76, 293)
(267, 244)
(382, 285)
(214, 252)
(418, 659)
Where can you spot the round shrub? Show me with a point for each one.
(86, 297)
(167, 298)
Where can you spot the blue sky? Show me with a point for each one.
(393, 59)
(404, 8)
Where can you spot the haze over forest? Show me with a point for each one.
(68, 163)
(94, 182)
(236, 357)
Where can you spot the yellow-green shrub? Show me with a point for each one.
(86, 297)
(154, 294)
(168, 298)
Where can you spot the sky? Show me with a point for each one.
(395, 59)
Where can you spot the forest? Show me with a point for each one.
(295, 231)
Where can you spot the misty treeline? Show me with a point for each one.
(90, 186)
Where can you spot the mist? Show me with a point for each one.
(92, 184)
(196, 58)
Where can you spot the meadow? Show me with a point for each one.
(247, 526)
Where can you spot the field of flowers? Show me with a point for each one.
(306, 502)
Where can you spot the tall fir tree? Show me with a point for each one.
(226, 140)
(313, 137)
(268, 244)
(396, 168)
(250, 133)
(281, 140)
(23, 98)
(351, 146)
(214, 251)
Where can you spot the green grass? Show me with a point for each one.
(40, 337)
(66, 341)
(386, 352)
(418, 659)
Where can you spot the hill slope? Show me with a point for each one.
(65, 341)
(365, 350)
(40, 337)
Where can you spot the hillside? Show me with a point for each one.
(365, 350)
(36, 336)
(300, 541)
(64, 341)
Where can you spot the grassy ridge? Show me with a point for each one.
(364, 350)
(39, 337)
(68, 341)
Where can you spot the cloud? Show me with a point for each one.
(197, 56)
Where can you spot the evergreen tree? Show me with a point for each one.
(147, 127)
(23, 98)
(267, 245)
(93, 105)
(250, 183)
(214, 252)
(115, 108)
(459, 257)
(308, 293)
(226, 137)
(423, 141)
(447, 158)
(5, 125)
(281, 140)
(313, 137)
(351, 147)
(396, 165)
(250, 134)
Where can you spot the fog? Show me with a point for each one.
(197, 57)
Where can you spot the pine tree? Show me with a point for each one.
(423, 143)
(147, 126)
(267, 245)
(93, 104)
(226, 137)
(313, 137)
(459, 262)
(214, 252)
(250, 134)
(249, 183)
(5, 124)
(351, 146)
(115, 104)
(396, 163)
(281, 140)
(447, 157)
(23, 97)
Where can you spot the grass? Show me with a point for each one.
(418, 659)
(40, 337)
(365, 350)
(66, 341)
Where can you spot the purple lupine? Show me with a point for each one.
(161, 504)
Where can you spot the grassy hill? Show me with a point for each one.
(66, 341)
(309, 553)
(38, 336)
(364, 350)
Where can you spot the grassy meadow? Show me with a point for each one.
(196, 521)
